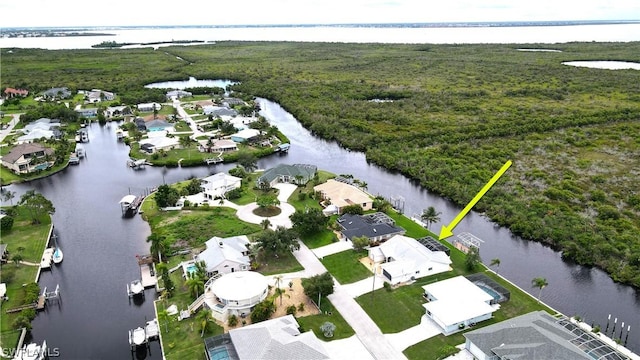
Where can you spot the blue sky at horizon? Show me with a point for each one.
(69, 13)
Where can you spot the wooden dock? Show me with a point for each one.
(41, 302)
(148, 274)
(47, 258)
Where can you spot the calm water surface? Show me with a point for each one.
(100, 246)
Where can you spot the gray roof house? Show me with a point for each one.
(226, 255)
(278, 338)
(538, 335)
(284, 173)
(57, 93)
(378, 227)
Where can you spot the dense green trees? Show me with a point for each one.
(446, 116)
(37, 205)
(166, 196)
(309, 221)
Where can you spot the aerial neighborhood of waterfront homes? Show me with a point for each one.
(399, 263)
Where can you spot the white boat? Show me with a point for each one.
(32, 351)
(137, 336)
(135, 288)
(57, 256)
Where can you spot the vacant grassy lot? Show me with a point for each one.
(346, 267)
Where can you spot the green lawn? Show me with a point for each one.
(283, 264)
(346, 267)
(182, 126)
(313, 322)
(319, 239)
(28, 240)
(181, 339)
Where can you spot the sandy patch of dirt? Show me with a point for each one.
(291, 296)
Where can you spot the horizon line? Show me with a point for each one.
(379, 24)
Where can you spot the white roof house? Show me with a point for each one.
(159, 140)
(217, 185)
(245, 135)
(456, 303)
(278, 338)
(404, 259)
(225, 255)
(235, 293)
(149, 106)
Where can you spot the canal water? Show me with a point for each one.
(94, 316)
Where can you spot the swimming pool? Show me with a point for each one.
(192, 268)
(219, 353)
(496, 296)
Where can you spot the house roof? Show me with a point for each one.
(536, 335)
(160, 141)
(277, 339)
(231, 250)
(240, 285)
(62, 91)
(457, 300)
(158, 124)
(36, 134)
(304, 170)
(23, 149)
(246, 133)
(342, 194)
(219, 110)
(22, 92)
(367, 225)
(408, 253)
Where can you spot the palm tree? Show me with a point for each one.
(195, 284)
(8, 195)
(540, 283)
(278, 279)
(495, 262)
(265, 224)
(16, 259)
(430, 216)
(204, 316)
(158, 244)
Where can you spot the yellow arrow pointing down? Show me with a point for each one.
(448, 230)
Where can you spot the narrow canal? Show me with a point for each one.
(95, 314)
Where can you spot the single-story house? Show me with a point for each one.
(219, 184)
(35, 135)
(538, 335)
(378, 227)
(456, 303)
(245, 135)
(242, 122)
(146, 107)
(97, 95)
(217, 146)
(342, 194)
(87, 112)
(278, 338)
(148, 148)
(228, 101)
(117, 111)
(298, 174)
(28, 157)
(404, 259)
(158, 125)
(57, 93)
(160, 141)
(178, 94)
(221, 111)
(11, 93)
(225, 255)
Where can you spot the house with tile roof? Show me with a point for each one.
(56, 93)
(28, 157)
(278, 338)
(341, 194)
(11, 93)
(298, 174)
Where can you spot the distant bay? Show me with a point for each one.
(458, 33)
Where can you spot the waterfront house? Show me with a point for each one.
(11, 93)
(28, 157)
(158, 140)
(228, 101)
(298, 174)
(87, 112)
(158, 125)
(378, 227)
(117, 111)
(140, 124)
(217, 146)
(404, 259)
(36, 130)
(245, 136)
(219, 111)
(56, 93)
(539, 335)
(456, 303)
(278, 338)
(341, 194)
(225, 255)
(235, 293)
(147, 107)
(215, 186)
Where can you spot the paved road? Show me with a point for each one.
(366, 330)
(4, 133)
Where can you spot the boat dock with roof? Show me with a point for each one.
(130, 203)
(147, 271)
(141, 336)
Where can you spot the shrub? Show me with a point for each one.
(291, 310)
(232, 321)
(263, 311)
(6, 223)
(302, 196)
(301, 307)
(387, 286)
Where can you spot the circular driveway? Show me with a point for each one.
(245, 212)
